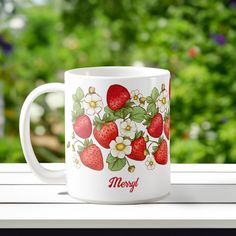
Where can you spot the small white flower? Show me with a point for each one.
(93, 104)
(136, 96)
(163, 101)
(150, 163)
(120, 147)
(128, 128)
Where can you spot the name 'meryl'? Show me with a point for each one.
(118, 182)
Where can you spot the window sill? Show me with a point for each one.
(202, 195)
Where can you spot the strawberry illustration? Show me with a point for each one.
(105, 130)
(83, 126)
(91, 155)
(117, 96)
(139, 149)
(161, 152)
(167, 126)
(155, 127)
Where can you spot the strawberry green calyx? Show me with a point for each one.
(155, 148)
(139, 134)
(84, 145)
(98, 122)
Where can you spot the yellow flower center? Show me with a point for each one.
(92, 104)
(120, 146)
(128, 128)
(163, 100)
(135, 97)
(150, 163)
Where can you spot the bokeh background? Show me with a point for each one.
(195, 40)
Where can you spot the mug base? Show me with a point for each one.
(143, 201)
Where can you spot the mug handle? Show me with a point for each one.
(47, 175)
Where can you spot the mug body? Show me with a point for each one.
(117, 122)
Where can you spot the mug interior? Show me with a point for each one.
(118, 72)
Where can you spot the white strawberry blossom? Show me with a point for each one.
(128, 128)
(136, 97)
(163, 101)
(92, 104)
(120, 147)
(150, 163)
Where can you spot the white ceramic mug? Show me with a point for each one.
(117, 131)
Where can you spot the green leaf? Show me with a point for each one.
(147, 123)
(78, 112)
(115, 163)
(107, 117)
(80, 149)
(137, 114)
(79, 94)
(129, 103)
(151, 108)
(108, 110)
(74, 116)
(154, 148)
(74, 98)
(123, 112)
(76, 106)
(154, 94)
(149, 99)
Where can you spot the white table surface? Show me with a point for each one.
(201, 196)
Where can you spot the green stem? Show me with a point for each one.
(153, 141)
(127, 162)
(149, 145)
(77, 140)
(99, 115)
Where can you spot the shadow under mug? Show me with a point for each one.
(117, 134)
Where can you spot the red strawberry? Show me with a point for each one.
(83, 126)
(161, 154)
(138, 145)
(167, 127)
(117, 96)
(91, 157)
(105, 133)
(156, 126)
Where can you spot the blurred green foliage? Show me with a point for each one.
(195, 40)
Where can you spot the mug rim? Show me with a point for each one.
(117, 72)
